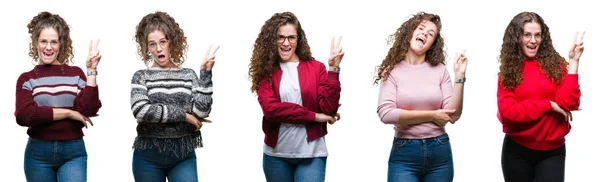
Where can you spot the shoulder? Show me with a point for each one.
(25, 76)
(74, 69)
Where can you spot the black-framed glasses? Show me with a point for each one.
(291, 38)
(528, 36)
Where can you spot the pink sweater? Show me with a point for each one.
(414, 87)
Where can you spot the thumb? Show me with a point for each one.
(449, 111)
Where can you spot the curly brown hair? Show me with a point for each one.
(48, 20)
(400, 41)
(265, 58)
(511, 55)
(165, 23)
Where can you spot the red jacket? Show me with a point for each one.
(526, 114)
(320, 91)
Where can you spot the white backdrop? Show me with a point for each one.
(359, 144)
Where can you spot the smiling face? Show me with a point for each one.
(287, 41)
(423, 37)
(531, 39)
(159, 48)
(48, 46)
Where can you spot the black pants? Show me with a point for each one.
(521, 164)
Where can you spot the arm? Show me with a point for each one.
(202, 94)
(388, 111)
(329, 90)
(146, 111)
(568, 93)
(27, 112)
(453, 96)
(276, 111)
(514, 110)
(87, 102)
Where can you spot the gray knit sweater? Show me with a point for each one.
(160, 98)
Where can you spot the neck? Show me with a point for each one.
(294, 58)
(413, 58)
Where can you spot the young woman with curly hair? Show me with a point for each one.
(416, 95)
(54, 100)
(298, 97)
(169, 102)
(537, 89)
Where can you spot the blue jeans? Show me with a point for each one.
(278, 169)
(55, 161)
(426, 160)
(149, 165)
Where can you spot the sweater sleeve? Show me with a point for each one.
(276, 111)
(568, 93)
(27, 111)
(87, 101)
(447, 89)
(511, 109)
(145, 110)
(202, 91)
(387, 109)
(328, 91)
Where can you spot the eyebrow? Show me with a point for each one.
(164, 38)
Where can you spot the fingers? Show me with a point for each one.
(90, 47)
(206, 121)
(337, 116)
(89, 120)
(337, 44)
(210, 52)
(332, 46)
(448, 111)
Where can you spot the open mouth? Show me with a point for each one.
(285, 50)
(421, 40)
(48, 54)
(161, 57)
(531, 47)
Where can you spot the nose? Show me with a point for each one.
(159, 49)
(48, 47)
(286, 42)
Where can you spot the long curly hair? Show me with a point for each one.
(511, 55)
(265, 57)
(400, 41)
(165, 23)
(48, 20)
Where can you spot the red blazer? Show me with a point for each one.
(320, 91)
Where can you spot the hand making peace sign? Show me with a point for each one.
(577, 47)
(460, 64)
(94, 56)
(336, 52)
(209, 58)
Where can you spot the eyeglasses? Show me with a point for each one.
(528, 36)
(44, 43)
(162, 43)
(291, 39)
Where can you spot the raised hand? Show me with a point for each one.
(336, 55)
(209, 58)
(577, 47)
(94, 56)
(460, 64)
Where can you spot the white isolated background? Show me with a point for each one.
(359, 144)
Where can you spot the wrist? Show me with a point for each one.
(92, 72)
(334, 68)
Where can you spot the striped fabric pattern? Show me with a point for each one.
(55, 91)
(160, 98)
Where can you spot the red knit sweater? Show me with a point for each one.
(526, 114)
(320, 91)
(54, 86)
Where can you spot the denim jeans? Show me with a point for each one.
(426, 160)
(521, 164)
(55, 161)
(149, 165)
(278, 169)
